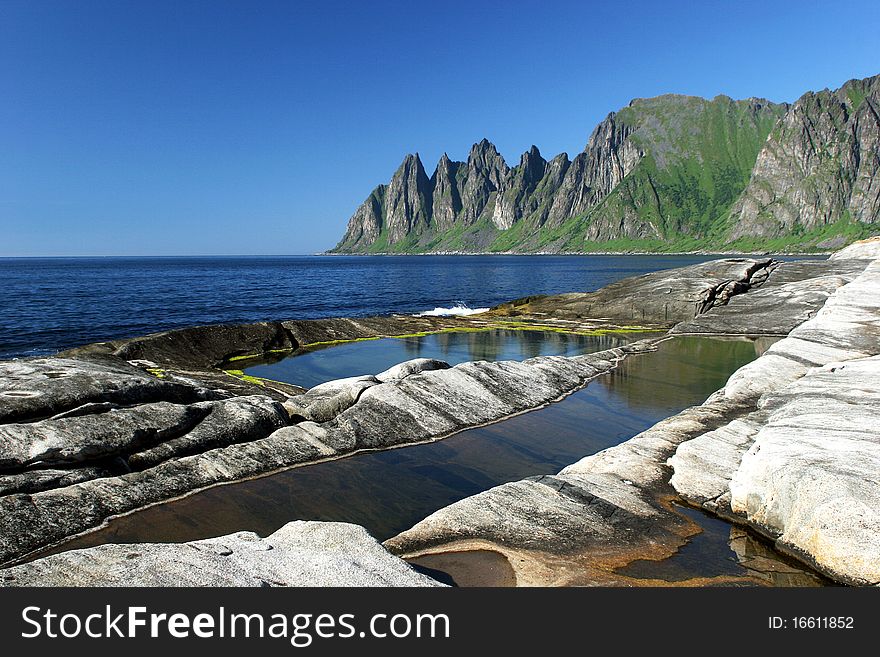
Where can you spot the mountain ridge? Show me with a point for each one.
(668, 173)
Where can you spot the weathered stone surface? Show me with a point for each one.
(413, 366)
(236, 420)
(142, 434)
(198, 346)
(324, 402)
(791, 295)
(865, 249)
(38, 479)
(802, 466)
(32, 521)
(664, 297)
(812, 476)
(298, 554)
(815, 488)
(241, 441)
(545, 513)
(42, 387)
(90, 437)
(703, 466)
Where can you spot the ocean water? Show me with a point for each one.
(48, 304)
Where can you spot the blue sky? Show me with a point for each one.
(258, 127)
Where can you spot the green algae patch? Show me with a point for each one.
(234, 359)
(158, 372)
(330, 343)
(247, 378)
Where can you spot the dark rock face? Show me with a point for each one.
(516, 199)
(366, 223)
(480, 179)
(609, 156)
(407, 200)
(446, 202)
(198, 346)
(820, 165)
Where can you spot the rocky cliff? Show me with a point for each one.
(662, 174)
(820, 167)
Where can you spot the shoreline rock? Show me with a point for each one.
(299, 554)
(756, 453)
(189, 425)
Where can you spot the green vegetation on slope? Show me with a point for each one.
(694, 161)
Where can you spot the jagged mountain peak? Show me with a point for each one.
(672, 171)
(484, 151)
(411, 159)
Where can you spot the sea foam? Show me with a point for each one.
(458, 309)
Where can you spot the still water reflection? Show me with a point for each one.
(391, 490)
(322, 364)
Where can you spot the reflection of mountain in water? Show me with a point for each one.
(506, 345)
(680, 365)
(371, 356)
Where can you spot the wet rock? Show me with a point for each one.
(298, 554)
(198, 346)
(817, 167)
